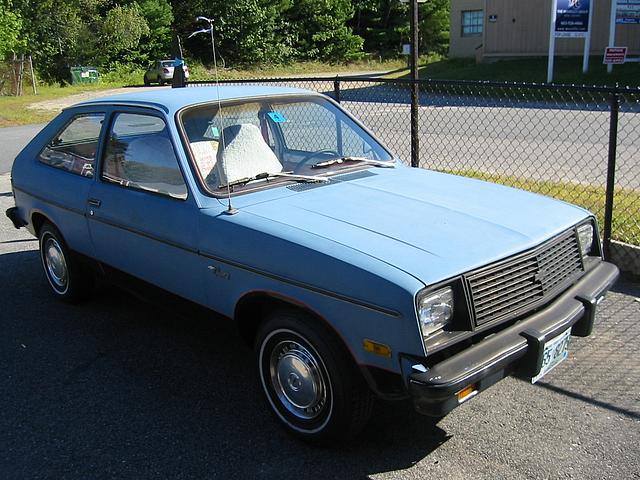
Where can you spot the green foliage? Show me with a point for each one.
(121, 31)
(384, 25)
(10, 29)
(320, 31)
(159, 17)
(107, 33)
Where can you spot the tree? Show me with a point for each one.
(159, 17)
(384, 25)
(10, 29)
(120, 33)
(320, 32)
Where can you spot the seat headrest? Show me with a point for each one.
(245, 154)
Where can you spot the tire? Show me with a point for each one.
(146, 81)
(310, 381)
(161, 81)
(69, 280)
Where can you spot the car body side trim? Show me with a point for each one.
(306, 286)
(51, 202)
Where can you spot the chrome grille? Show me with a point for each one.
(508, 288)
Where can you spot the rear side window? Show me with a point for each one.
(74, 147)
(139, 155)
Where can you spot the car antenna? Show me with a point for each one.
(230, 210)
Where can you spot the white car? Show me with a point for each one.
(162, 72)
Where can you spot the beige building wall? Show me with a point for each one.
(460, 46)
(522, 29)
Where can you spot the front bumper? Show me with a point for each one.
(514, 349)
(12, 214)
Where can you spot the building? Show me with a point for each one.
(498, 29)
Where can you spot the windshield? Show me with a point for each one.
(282, 135)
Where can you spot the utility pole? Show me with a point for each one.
(415, 87)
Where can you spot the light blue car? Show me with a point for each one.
(351, 275)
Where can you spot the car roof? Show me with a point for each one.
(173, 99)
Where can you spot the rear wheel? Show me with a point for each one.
(146, 80)
(310, 381)
(69, 280)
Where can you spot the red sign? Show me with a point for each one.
(614, 55)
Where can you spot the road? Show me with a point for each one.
(12, 140)
(122, 387)
(534, 143)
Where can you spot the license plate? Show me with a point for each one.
(554, 352)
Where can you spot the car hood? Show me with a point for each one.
(428, 224)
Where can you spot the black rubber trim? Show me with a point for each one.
(432, 390)
(12, 214)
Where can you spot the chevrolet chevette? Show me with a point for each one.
(351, 275)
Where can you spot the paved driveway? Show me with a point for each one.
(124, 387)
(12, 140)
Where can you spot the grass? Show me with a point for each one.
(567, 71)
(14, 111)
(626, 202)
(199, 72)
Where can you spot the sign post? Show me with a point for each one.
(612, 29)
(569, 19)
(587, 39)
(552, 41)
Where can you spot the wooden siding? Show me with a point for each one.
(522, 29)
(460, 46)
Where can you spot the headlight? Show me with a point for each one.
(585, 238)
(435, 310)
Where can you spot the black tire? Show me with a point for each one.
(146, 80)
(161, 81)
(70, 281)
(333, 400)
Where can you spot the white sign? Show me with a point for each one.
(406, 49)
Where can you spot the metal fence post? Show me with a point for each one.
(415, 141)
(336, 89)
(611, 172)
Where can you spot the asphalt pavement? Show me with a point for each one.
(123, 387)
(12, 140)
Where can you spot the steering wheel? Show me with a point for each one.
(311, 156)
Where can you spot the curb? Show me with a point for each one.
(626, 257)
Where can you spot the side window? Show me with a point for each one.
(74, 147)
(139, 155)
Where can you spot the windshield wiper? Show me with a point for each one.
(335, 161)
(266, 176)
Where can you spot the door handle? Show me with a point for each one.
(94, 202)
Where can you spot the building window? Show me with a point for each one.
(472, 21)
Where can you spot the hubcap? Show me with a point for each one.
(298, 380)
(55, 263)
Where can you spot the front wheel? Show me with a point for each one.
(70, 281)
(310, 381)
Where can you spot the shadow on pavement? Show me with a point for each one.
(119, 386)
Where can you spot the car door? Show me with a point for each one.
(142, 219)
(71, 151)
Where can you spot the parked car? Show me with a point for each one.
(351, 275)
(161, 72)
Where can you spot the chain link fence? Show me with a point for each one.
(576, 143)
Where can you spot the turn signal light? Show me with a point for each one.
(377, 348)
(466, 393)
